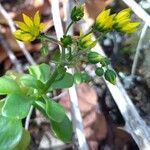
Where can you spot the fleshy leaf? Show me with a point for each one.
(16, 106)
(1, 105)
(41, 72)
(54, 110)
(8, 85)
(10, 132)
(29, 81)
(25, 140)
(63, 130)
(65, 82)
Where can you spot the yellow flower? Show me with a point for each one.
(103, 21)
(86, 41)
(30, 29)
(123, 23)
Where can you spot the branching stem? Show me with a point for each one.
(50, 39)
(71, 23)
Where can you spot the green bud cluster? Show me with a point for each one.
(94, 58)
(30, 89)
(66, 40)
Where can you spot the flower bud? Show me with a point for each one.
(94, 57)
(103, 21)
(77, 13)
(87, 42)
(66, 40)
(122, 22)
(99, 71)
(110, 76)
(104, 61)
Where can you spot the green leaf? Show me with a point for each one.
(8, 85)
(85, 77)
(13, 74)
(65, 82)
(63, 130)
(54, 110)
(77, 77)
(10, 132)
(40, 105)
(41, 72)
(110, 76)
(16, 106)
(1, 105)
(25, 140)
(29, 81)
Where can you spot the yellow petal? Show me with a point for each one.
(90, 44)
(17, 34)
(123, 14)
(86, 38)
(102, 16)
(27, 37)
(27, 20)
(81, 32)
(108, 24)
(42, 26)
(131, 27)
(124, 22)
(23, 36)
(37, 19)
(22, 26)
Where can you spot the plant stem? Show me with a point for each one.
(63, 54)
(51, 80)
(50, 39)
(70, 53)
(100, 37)
(71, 23)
